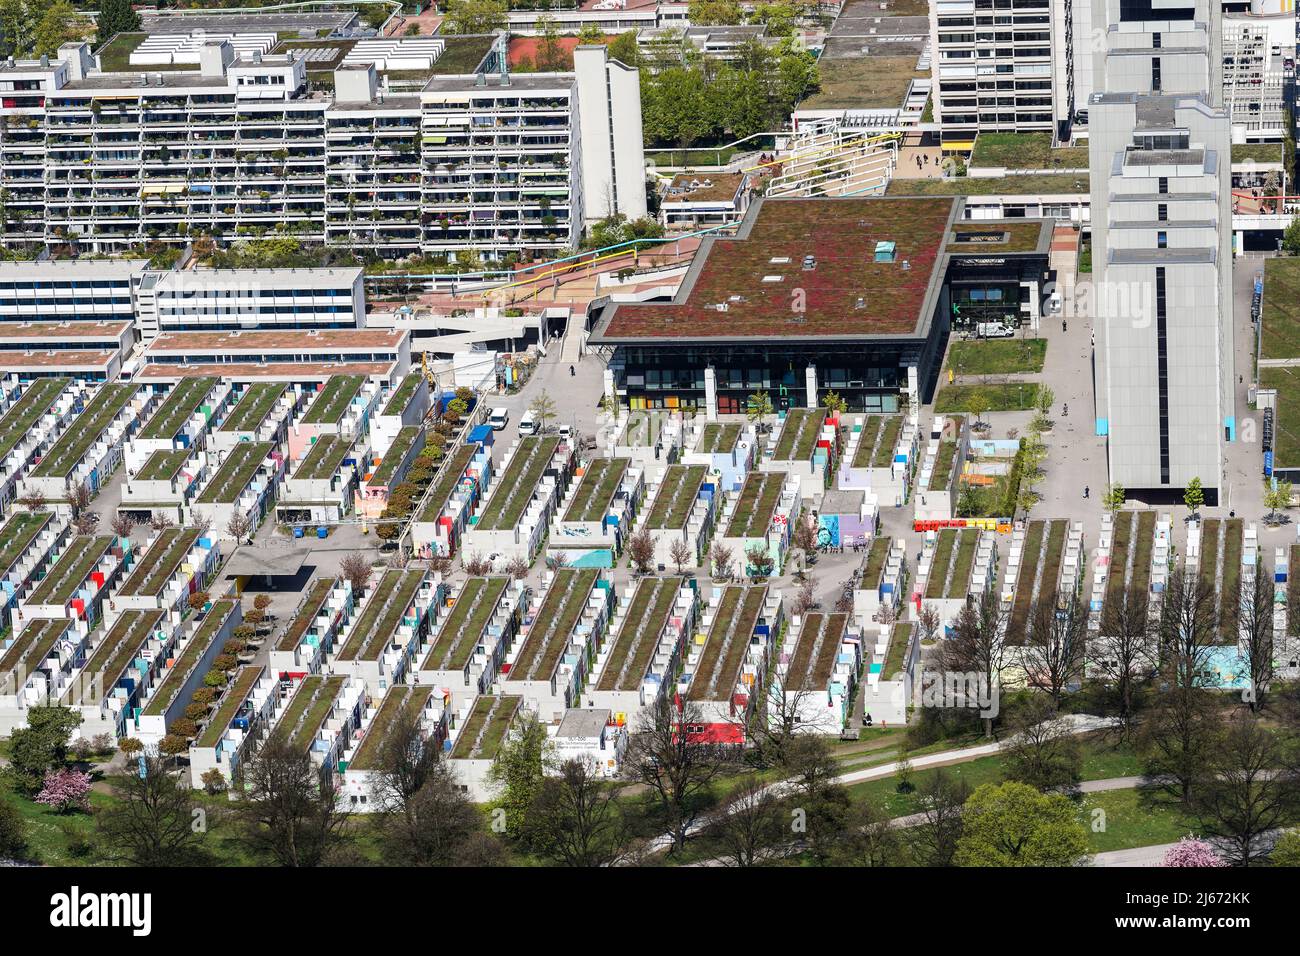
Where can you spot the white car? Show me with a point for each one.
(498, 418)
(527, 424)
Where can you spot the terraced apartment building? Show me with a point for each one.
(320, 138)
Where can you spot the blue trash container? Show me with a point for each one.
(322, 532)
(297, 532)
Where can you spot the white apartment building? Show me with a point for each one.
(994, 64)
(1162, 246)
(243, 145)
(226, 300)
(61, 290)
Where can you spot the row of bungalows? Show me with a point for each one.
(173, 564)
(806, 448)
(880, 456)
(477, 739)
(341, 407)
(262, 411)
(938, 483)
(28, 543)
(683, 506)
(648, 438)
(35, 665)
(319, 487)
(593, 520)
(363, 765)
(1036, 571)
(30, 423)
(444, 514)
(313, 630)
(761, 517)
(165, 484)
(727, 449)
(955, 564)
(89, 449)
(74, 585)
(642, 653)
(377, 644)
(726, 664)
(533, 476)
(403, 406)
(550, 664)
(181, 419)
(180, 673)
(233, 723)
(816, 673)
(388, 470)
(882, 581)
(243, 485)
(464, 650)
(109, 687)
(318, 720)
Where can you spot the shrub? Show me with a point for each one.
(196, 711)
(204, 695)
(184, 727)
(225, 662)
(214, 678)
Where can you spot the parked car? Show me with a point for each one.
(994, 330)
(528, 424)
(498, 418)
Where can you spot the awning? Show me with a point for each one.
(960, 145)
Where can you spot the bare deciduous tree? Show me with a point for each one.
(239, 527)
(681, 554)
(722, 559)
(976, 645)
(934, 840)
(290, 810)
(79, 497)
(1058, 632)
(1126, 651)
(557, 560)
(356, 570)
(1042, 752)
(576, 820)
(160, 521)
(1244, 794)
(641, 549)
(1186, 630)
(518, 568)
(1255, 633)
(806, 598)
(33, 501)
(122, 525)
(752, 826)
(675, 765)
(476, 564)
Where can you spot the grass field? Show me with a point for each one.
(1016, 396)
(997, 356)
(1280, 337)
(1026, 151)
(1054, 184)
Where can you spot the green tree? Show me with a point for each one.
(543, 408)
(517, 772)
(834, 403)
(757, 408)
(40, 746)
(550, 53)
(1194, 495)
(1012, 824)
(1291, 237)
(1277, 497)
(60, 23)
(16, 23)
(13, 832)
(1115, 496)
(475, 16)
(624, 49)
(590, 34)
(713, 13)
(115, 16)
(1286, 851)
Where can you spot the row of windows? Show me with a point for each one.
(245, 292)
(260, 310)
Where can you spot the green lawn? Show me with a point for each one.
(997, 356)
(1129, 821)
(1054, 184)
(1280, 337)
(1026, 151)
(995, 398)
(1286, 427)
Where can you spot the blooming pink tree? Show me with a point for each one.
(65, 790)
(1190, 851)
